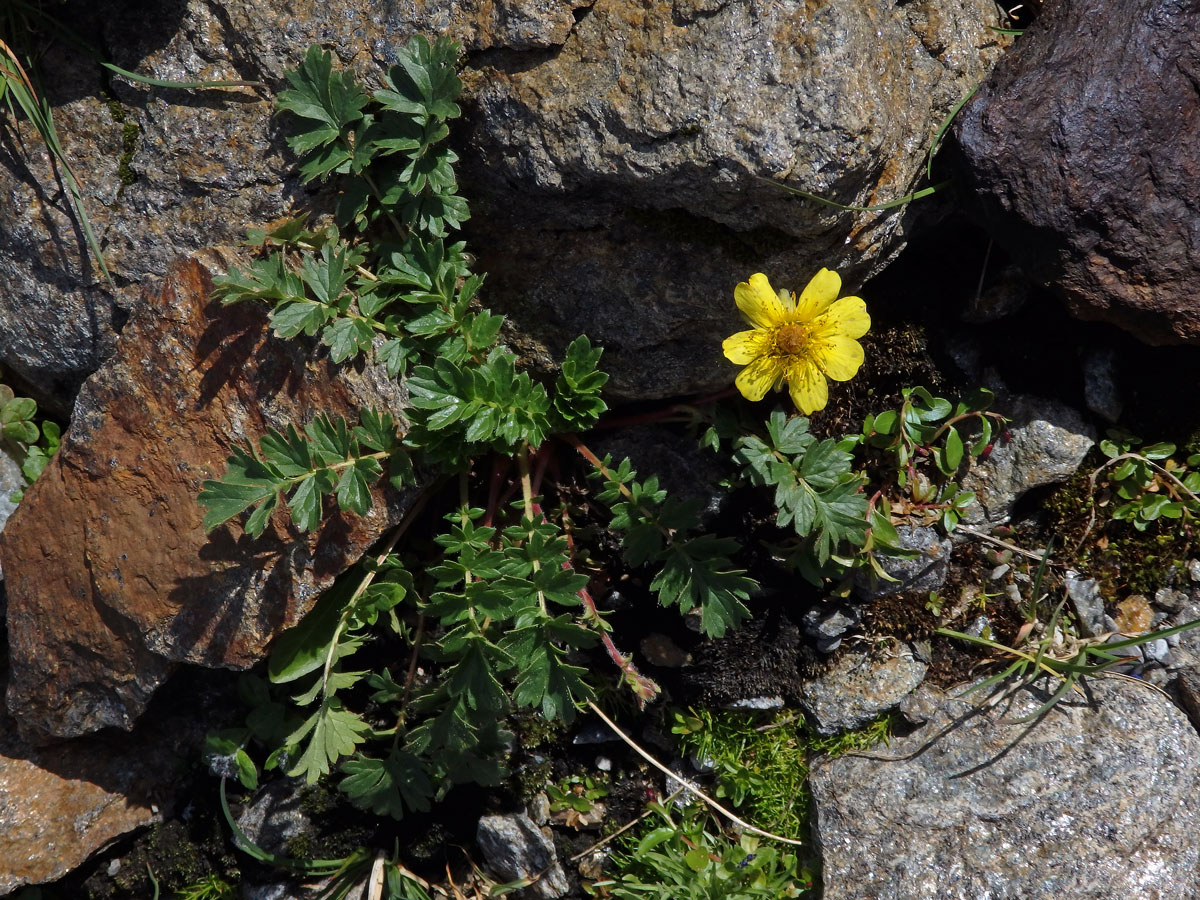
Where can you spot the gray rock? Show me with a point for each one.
(1170, 599)
(926, 572)
(1088, 604)
(1103, 205)
(274, 817)
(11, 480)
(859, 687)
(830, 622)
(515, 848)
(1047, 442)
(1092, 802)
(1100, 391)
(621, 176)
(640, 150)
(1157, 651)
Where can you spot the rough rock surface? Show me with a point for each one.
(925, 572)
(1083, 146)
(1091, 803)
(641, 151)
(516, 848)
(111, 579)
(11, 481)
(859, 687)
(620, 171)
(60, 804)
(1047, 441)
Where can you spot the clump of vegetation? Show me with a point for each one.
(29, 440)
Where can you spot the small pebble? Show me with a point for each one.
(1170, 599)
(1000, 571)
(1193, 568)
(660, 650)
(603, 763)
(114, 867)
(1156, 650)
(539, 809)
(593, 733)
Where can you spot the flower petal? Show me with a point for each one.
(839, 357)
(807, 386)
(759, 377)
(758, 303)
(820, 293)
(847, 317)
(746, 346)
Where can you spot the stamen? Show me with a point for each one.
(791, 339)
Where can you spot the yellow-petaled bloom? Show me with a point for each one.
(801, 340)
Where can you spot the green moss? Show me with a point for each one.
(1122, 559)
(130, 132)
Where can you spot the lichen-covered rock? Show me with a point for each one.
(1083, 146)
(859, 687)
(619, 146)
(110, 577)
(1097, 800)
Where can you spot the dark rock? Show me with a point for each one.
(516, 848)
(1083, 144)
(1100, 390)
(111, 579)
(1096, 800)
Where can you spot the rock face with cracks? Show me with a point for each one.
(1096, 800)
(613, 152)
(1083, 146)
(110, 577)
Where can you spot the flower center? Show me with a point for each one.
(791, 339)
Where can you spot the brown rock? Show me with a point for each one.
(1083, 146)
(61, 804)
(111, 579)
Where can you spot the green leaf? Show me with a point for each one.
(332, 733)
(347, 338)
(305, 503)
(305, 647)
(331, 99)
(951, 455)
(354, 488)
(387, 787)
(18, 409)
(247, 481)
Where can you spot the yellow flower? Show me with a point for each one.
(800, 340)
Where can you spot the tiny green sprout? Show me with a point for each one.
(576, 801)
